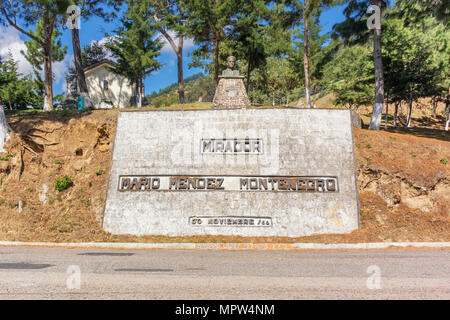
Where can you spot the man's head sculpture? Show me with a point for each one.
(231, 61)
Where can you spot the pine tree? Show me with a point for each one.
(170, 15)
(136, 46)
(354, 30)
(306, 10)
(16, 90)
(87, 8)
(50, 13)
(349, 76)
(7, 75)
(320, 52)
(35, 54)
(209, 24)
(416, 58)
(249, 38)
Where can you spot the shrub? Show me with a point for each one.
(5, 158)
(63, 183)
(444, 160)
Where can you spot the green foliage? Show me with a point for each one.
(350, 76)
(98, 172)
(174, 86)
(353, 30)
(5, 158)
(35, 52)
(416, 10)
(268, 39)
(90, 54)
(135, 45)
(56, 161)
(197, 87)
(443, 160)
(43, 44)
(415, 59)
(63, 183)
(16, 91)
(319, 52)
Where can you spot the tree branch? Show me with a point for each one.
(19, 28)
(169, 38)
(165, 34)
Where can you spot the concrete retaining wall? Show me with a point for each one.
(299, 149)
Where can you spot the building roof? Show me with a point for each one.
(102, 63)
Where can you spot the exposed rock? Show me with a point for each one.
(43, 194)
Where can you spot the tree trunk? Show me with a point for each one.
(379, 82)
(48, 75)
(395, 114)
(10, 105)
(216, 61)
(386, 117)
(273, 99)
(447, 115)
(408, 121)
(4, 130)
(180, 70)
(249, 69)
(48, 79)
(180, 61)
(141, 91)
(179, 53)
(138, 93)
(434, 108)
(314, 98)
(81, 79)
(305, 61)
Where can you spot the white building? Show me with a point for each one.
(107, 89)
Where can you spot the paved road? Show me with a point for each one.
(41, 273)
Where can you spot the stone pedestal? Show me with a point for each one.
(230, 93)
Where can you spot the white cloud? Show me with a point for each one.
(10, 42)
(187, 43)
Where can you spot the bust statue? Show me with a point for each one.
(231, 60)
(230, 90)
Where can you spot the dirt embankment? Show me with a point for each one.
(404, 184)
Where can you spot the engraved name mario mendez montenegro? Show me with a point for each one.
(227, 183)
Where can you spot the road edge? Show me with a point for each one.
(231, 246)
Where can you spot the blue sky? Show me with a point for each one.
(94, 29)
